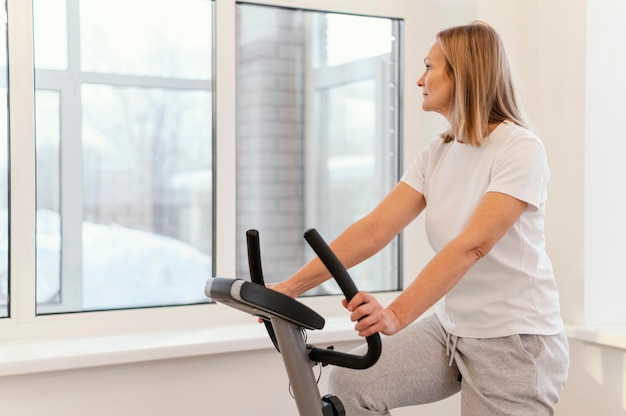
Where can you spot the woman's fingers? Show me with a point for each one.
(370, 316)
(365, 311)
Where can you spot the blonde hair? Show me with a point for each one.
(485, 88)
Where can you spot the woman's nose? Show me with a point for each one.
(420, 81)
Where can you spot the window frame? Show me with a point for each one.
(23, 321)
(68, 82)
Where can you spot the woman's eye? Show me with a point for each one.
(428, 67)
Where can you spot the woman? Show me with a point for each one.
(497, 334)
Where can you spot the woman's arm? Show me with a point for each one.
(362, 239)
(494, 216)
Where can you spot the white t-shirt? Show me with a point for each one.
(512, 289)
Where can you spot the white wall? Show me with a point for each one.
(605, 170)
(252, 383)
(230, 384)
(597, 381)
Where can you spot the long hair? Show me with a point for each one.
(485, 88)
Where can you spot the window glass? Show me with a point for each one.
(317, 141)
(161, 38)
(50, 19)
(4, 177)
(352, 38)
(48, 238)
(124, 153)
(147, 195)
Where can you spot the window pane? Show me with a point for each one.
(352, 38)
(48, 129)
(161, 38)
(147, 196)
(49, 17)
(317, 133)
(124, 156)
(4, 178)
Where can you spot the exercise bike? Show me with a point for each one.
(286, 318)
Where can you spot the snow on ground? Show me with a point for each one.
(121, 268)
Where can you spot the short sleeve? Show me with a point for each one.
(415, 174)
(521, 170)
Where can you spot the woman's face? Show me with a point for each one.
(437, 84)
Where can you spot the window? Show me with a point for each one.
(4, 178)
(317, 138)
(124, 153)
(118, 169)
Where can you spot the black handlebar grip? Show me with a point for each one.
(332, 263)
(339, 272)
(254, 257)
(256, 274)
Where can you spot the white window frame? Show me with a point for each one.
(24, 323)
(67, 82)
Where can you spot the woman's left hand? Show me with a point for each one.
(370, 316)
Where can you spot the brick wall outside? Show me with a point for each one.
(270, 138)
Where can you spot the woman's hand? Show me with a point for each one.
(281, 287)
(284, 288)
(370, 316)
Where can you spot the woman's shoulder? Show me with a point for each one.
(515, 143)
(509, 134)
(435, 145)
(510, 130)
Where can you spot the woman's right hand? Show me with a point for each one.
(283, 287)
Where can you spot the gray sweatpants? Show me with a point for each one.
(514, 375)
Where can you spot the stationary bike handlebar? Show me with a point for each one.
(256, 273)
(349, 289)
(345, 282)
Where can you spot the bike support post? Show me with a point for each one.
(299, 368)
